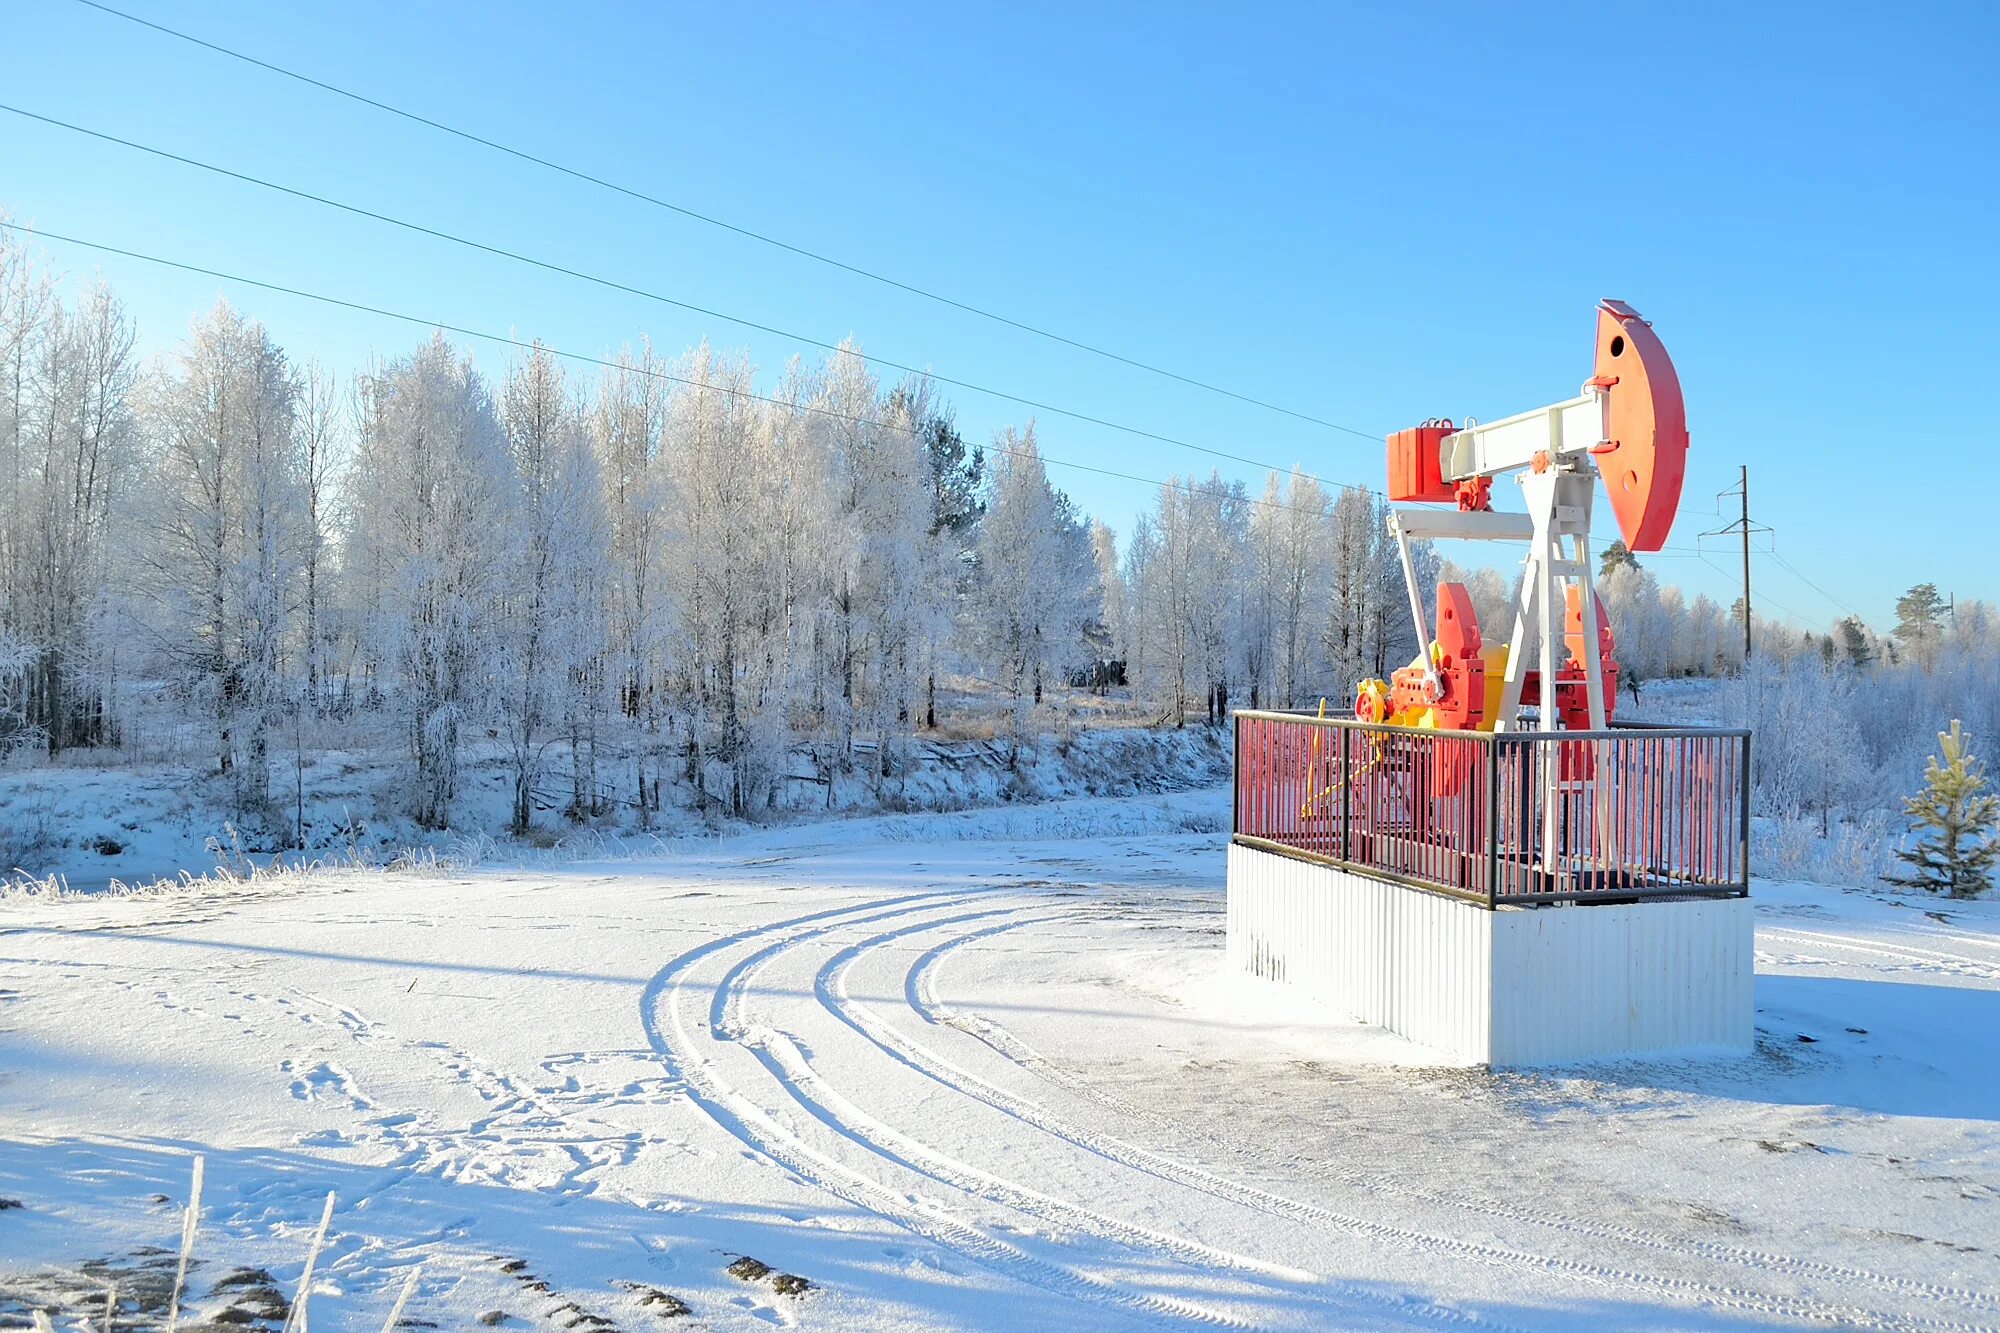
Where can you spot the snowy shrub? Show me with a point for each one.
(29, 832)
(1785, 847)
(1855, 852)
(1864, 848)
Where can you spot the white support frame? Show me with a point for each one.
(1552, 448)
(1554, 445)
(1559, 508)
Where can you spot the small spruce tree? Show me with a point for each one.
(1958, 853)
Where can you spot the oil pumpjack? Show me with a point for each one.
(1412, 863)
(1628, 425)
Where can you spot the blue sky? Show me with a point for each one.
(1374, 215)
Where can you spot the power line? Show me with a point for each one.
(615, 285)
(1796, 615)
(621, 366)
(1848, 606)
(654, 373)
(713, 221)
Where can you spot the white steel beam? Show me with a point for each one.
(1483, 526)
(1571, 427)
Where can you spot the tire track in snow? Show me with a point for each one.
(920, 994)
(723, 1010)
(793, 1069)
(1928, 960)
(830, 982)
(790, 1063)
(739, 1115)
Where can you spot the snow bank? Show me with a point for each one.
(74, 829)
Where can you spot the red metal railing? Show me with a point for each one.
(1516, 818)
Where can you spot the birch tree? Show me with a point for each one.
(1037, 578)
(881, 515)
(550, 627)
(627, 429)
(234, 531)
(1354, 587)
(712, 430)
(317, 417)
(68, 445)
(429, 520)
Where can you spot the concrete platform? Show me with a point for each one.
(1515, 986)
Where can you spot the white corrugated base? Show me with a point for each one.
(1517, 986)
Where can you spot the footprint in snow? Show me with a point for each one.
(324, 1081)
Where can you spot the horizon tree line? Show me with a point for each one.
(659, 582)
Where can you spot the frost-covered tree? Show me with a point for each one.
(797, 542)
(627, 427)
(1806, 762)
(1170, 584)
(1177, 657)
(1037, 587)
(68, 449)
(549, 633)
(319, 463)
(1143, 614)
(232, 533)
(1300, 528)
(27, 302)
(1110, 586)
(1640, 624)
(1703, 648)
(955, 472)
(1355, 586)
(1286, 586)
(427, 530)
(1957, 851)
(716, 568)
(882, 589)
(1197, 617)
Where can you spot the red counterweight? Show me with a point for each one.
(1460, 700)
(1415, 472)
(1643, 458)
(1570, 696)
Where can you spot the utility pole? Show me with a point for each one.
(1743, 489)
(1744, 527)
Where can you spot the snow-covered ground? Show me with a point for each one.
(969, 1071)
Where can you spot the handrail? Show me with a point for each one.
(1621, 814)
(1616, 731)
